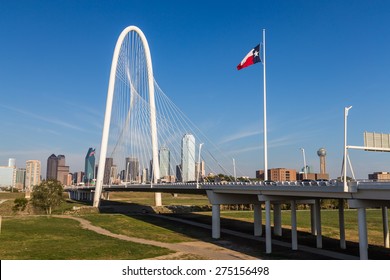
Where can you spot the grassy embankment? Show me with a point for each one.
(27, 237)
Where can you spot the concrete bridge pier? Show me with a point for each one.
(294, 235)
(313, 220)
(81, 195)
(158, 199)
(277, 219)
(257, 220)
(216, 199)
(317, 214)
(385, 219)
(363, 237)
(216, 221)
(268, 237)
(342, 224)
(361, 206)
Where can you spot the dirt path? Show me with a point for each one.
(193, 249)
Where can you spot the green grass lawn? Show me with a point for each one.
(145, 227)
(49, 238)
(168, 199)
(30, 237)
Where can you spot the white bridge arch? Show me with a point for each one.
(131, 33)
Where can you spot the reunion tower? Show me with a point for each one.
(322, 154)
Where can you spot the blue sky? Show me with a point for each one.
(55, 58)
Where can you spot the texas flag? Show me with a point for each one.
(251, 58)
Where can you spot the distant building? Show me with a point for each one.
(52, 167)
(145, 175)
(200, 170)
(56, 169)
(188, 158)
(178, 173)
(132, 170)
(12, 162)
(259, 174)
(89, 170)
(151, 174)
(7, 176)
(33, 174)
(115, 179)
(108, 170)
(20, 178)
(379, 176)
(278, 174)
(78, 178)
(164, 159)
(168, 179)
(62, 170)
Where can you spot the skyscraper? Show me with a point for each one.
(107, 170)
(200, 170)
(52, 166)
(89, 165)
(62, 170)
(20, 180)
(12, 162)
(132, 169)
(188, 158)
(164, 159)
(7, 176)
(33, 174)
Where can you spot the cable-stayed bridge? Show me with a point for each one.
(149, 145)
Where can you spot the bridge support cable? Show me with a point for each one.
(144, 131)
(174, 124)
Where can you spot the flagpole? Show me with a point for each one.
(265, 113)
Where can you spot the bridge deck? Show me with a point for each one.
(292, 190)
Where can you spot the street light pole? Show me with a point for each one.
(304, 162)
(346, 109)
(234, 170)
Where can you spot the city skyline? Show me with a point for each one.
(321, 57)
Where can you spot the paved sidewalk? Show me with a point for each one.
(202, 249)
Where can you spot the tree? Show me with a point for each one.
(47, 195)
(20, 204)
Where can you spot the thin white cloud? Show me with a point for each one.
(239, 136)
(274, 143)
(38, 117)
(246, 149)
